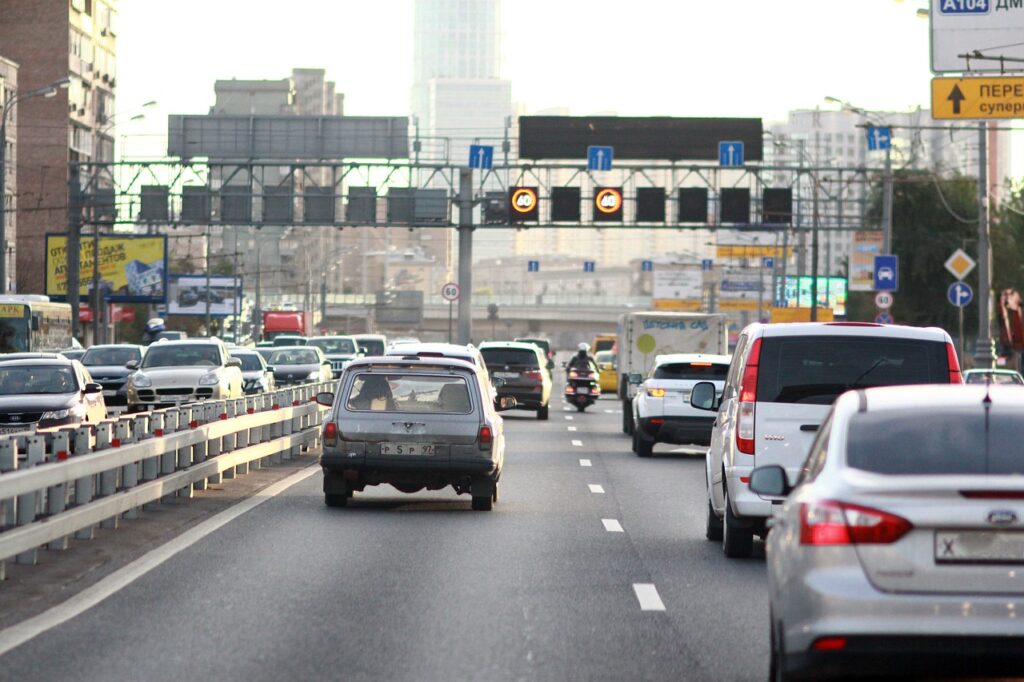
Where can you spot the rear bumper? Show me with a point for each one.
(678, 430)
(525, 398)
(381, 469)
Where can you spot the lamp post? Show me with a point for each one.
(45, 91)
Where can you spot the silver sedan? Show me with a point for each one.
(900, 550)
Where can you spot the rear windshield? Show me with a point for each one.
(99, 357)
(692, 371)
(250, 361)
(294, 357)
(540, 343)
(992, 378)
(340, 345)
(181, 356)
(604, 344)
(372, 346)
(942, 441)
(409, 393)
(509, 356)
(815, 370)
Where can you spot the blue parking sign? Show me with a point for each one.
(887, 273)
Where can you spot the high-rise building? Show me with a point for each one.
(8, 202)
(51, 40)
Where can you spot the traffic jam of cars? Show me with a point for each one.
(883, 481)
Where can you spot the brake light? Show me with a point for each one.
(656, 392)
(748, 396)
(533, 374)
(486, 437)
(700, 364)
(955, 377)
(854, 324)
(330, 434)
(828, 522)
(830, 644)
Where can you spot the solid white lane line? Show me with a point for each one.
(647, 595)
(16, 635)
(585, 463)
(578, 443)
(609, 412)
(612, 525)
(567, 408)
(569, 417)
(572, 428)
(596, 489)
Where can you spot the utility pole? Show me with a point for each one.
(887, 202)
(209, 322)
(984, 354)
(814, 249)
(259, 309)
(74, 250)
(465, 255)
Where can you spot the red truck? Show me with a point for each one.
(279, 322)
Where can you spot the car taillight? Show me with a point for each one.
(656, 392)
(827, 522)
(573, 374)
(533, 374)
(330, 434)
(486, 437)
(955, 377)
(748, 396)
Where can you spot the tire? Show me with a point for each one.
(634, 441)
(737, 543)
(484, 503)
(644, 446)
(625, 423)
(713, 524)
(776, 672)
(627, 416)
(542, 413)
(495, 495)
(335, 500)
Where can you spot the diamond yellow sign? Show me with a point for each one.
(981, 98)
(960, 264)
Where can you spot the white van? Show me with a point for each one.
(781, 382)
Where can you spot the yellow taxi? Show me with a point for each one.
(608, 372)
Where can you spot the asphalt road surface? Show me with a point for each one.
(593, 566)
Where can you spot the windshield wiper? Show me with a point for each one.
(878, 363)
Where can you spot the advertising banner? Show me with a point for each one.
(796, 293)
(133, 269)
(188, 294)
(866, 245)
(678, 283)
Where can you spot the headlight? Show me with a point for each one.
(140, 380)
(53, 415)
(211, 379)
(315, 374)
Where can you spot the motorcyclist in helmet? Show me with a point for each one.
(582, 359)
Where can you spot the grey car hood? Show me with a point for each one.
(112, 371)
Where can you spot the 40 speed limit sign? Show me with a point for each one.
(450, 291)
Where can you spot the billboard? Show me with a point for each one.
(678, 283)
(188, 294)
(796, 293)
(133, 269)
(866, 245)
(989, 28)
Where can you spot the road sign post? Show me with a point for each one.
(960, 294)
(450, 292)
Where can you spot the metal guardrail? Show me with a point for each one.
(69, 480)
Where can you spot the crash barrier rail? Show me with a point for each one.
(69, 480)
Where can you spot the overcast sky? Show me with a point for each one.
(642, 57)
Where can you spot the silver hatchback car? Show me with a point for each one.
(413, 423)
(900, 551)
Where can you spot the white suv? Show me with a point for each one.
(781, 382)
(661, 408)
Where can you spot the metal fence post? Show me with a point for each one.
(57, 495)
(28, 504)
(213, 445)
(184, 452)
(227, 442)
(85, 486)
(8, 462)
(124, 433)
(108, 479)
(242, 436)
(199, 449)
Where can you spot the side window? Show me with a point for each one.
(819, 451)
(732, 379)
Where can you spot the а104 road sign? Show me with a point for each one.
(959, 294)
(981, 98)
(960, 264)
(450, 292)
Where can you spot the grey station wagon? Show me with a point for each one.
(413, 423)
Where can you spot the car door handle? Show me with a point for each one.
(809, 427)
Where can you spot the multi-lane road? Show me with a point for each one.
(592, 566)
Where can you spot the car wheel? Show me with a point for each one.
(633, 439)
(627, 416)
(737, 543)
(713, 525)
(483, 503)
(776, 671)
(625, 423)
(542, 413)
(644, 445)
(494, 495)
(335, 500)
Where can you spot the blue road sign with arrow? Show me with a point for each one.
(481, 156)
(707, 265)
(767, 262)
(533, 266)
(730, 153)
(647, 266)
(960, 294)
(879, 139)
(589, 266)
(599, 158)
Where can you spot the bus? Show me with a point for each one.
(32, 324)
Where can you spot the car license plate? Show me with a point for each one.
(421, 449)
(582, 390)
(15, 429)
(979, 546)
(507, 375)
(109, 394)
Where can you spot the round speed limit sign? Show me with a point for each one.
(450, 291)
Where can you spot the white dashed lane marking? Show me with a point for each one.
(585, 463)
(612, 525)
(572, 428)
(596, 489)
(577, 443)
(647, 595)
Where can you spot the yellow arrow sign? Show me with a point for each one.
(977, 98)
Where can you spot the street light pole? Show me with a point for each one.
(887, 203)
(984, 355)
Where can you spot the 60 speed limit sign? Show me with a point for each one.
(450, 291)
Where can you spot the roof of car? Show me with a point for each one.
(691, 357)
(243, 351)
(509, 344)
(166, 343)
(846, 329)
(330, 336)
(987, 370)
(369, 336)
(411, 362)
(114, 345)
(31, 356)
(925, 398)
(443, 348)
(49, 360)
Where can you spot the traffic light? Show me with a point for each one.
(734, 205)
(492, 311)
(523, 204)
(608, 205)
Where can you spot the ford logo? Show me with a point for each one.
(1002, 517)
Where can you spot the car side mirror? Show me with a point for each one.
(498, 382)
(326, 363)
(92, 388)
(704, 396)
(636, 378)
(270, 368)
(132, 364)
(325, 398)
(234, 362)
(507, 403)
(770, 481)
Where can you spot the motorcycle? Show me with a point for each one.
(581, 387)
